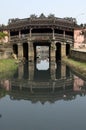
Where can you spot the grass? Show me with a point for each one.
(78, 66)
(7, 64)
(7, 67)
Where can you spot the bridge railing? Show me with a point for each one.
(14, 37)
(33, 36)
(41, 36)
(62, 38)
(21, 37)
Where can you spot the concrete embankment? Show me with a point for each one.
(77, 66)
(78, 54)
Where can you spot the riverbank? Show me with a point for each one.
(7, 67)
(77, 66)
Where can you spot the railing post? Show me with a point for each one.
(53, 33)
(64, 35)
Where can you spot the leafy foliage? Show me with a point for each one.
(2, 35)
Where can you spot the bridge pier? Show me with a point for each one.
(53, 60)
(20, 51)
(53, 52)
(31, 51)
(63, 50)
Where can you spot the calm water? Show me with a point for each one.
(42, 96)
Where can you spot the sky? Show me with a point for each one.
(60, 8)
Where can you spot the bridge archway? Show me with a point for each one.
(25, 50)
(67, 49)
(15, 49)
(41, 50)
(58, 51)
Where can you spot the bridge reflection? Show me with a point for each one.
(43, 85)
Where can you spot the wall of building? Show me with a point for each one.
(79, 38)
(5, 47)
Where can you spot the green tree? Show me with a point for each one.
(2, 35)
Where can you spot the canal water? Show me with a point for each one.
(42, 96)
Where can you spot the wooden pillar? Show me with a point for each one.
(53, 33)
(30, 32)
(19, 34)
(64, 35)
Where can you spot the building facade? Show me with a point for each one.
(79, 38)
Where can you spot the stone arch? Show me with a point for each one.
(41, 47)
(58, 51)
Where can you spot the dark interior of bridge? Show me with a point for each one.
(41, 30)
(14, 33)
